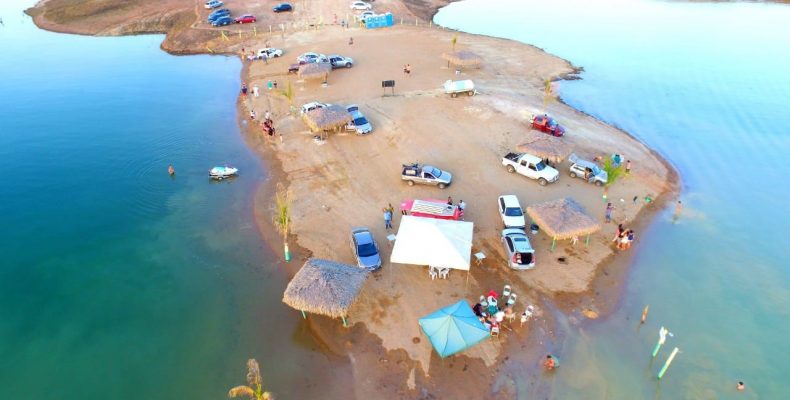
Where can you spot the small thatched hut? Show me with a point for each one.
(325, 287)
(315, 71)
(463, 58)
(328, 118)
(563, 219)
(545, 146)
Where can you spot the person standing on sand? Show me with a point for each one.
(244, 89)
(628, 167)
(350, 41)
(390, 208)
(252, 114)
(387, 219)
(609, 209)
(408, 70)
(267, 116)
(449, 200)
(255, 90)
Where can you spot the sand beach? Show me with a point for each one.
(345, 180)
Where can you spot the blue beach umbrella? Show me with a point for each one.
(453, 329)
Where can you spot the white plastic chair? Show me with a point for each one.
(495, 331)
(506, 292)
(492, 301)
(512, 299)
(483, 301)
(432, 272)
(444, 272)
(499, 317)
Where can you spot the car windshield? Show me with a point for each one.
(540, 166)
(436, 172)
(513, 212)
(596, 170)
(552, 122)
(360, 121)
(366, 250)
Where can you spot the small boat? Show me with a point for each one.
(223, 172)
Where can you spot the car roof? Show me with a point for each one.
(510, 200)
(521, 242)
(530, 158)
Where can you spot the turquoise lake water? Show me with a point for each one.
(117, 281)
(705, 84)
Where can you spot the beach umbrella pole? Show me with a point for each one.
(344, 321)
(303, 314)
(666, 364)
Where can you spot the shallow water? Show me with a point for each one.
(706, 85)
(117, 281)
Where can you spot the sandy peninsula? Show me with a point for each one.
(346, 180)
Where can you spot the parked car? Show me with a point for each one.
(246, 19)
(453, 88)
(364, 15)
(365, 249)
(530, 166)
(222, 12)
(587, 170)
(312, 106)
(547, 124)
(270, 52)
(282, 7)
(214, 4)
(339, 61)
(511, 212)
(519, 252)
(359, 123)
(310, 57)
(360, 5)
(222, 21)
(426, 174)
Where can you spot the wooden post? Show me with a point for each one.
(303, 314)
(666, 364)
(553, 243)
(344, 321)
(644, 314)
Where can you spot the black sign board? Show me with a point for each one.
(388, 84)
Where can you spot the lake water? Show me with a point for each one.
(116, 280)
(705, 84)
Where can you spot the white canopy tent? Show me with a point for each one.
(436, 242)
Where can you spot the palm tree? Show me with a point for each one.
(613, 172)
(282, 215)
(289, 94)
(255, 388)
(548, 92)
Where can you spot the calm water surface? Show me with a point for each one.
(117, 281)
(705, 84)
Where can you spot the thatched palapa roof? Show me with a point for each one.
(563, 219)
(314, 70)
(325, 287)
(463, 58)
(545, 146)
(323, 119)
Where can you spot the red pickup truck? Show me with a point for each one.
(547, 124)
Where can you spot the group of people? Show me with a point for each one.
(461, 205)
(623, 238)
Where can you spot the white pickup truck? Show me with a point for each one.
(530, 166)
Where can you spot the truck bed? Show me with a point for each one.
(512, 156)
